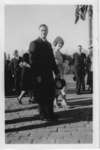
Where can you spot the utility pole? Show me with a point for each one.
(90, 15)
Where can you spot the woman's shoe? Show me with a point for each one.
(31, 101)
(19, 100)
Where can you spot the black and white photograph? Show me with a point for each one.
(48, 74)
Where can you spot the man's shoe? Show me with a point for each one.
(54, 117)
(78, 92)
(43, 118)
(31, 101)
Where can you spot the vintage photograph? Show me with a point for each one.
(48, 74)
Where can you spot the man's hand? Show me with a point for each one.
(39, 79)
(13, 76)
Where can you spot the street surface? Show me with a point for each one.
(23, 126)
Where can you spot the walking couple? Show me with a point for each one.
(44, 70)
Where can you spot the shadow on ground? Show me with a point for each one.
(72, 102)
(71, 116)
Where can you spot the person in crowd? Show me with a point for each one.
(57, 46)
(79, 60)
(67, 66)
(7, 74)
(26, 78)
(76, 71)
(43, 66)
(16, 71)
(60, 93)
(89, 63)
(9, 58)
(82, 67)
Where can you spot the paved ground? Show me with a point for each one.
(22, 124)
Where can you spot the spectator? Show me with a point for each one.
(90, 69)
(26, 78)
(15, 71)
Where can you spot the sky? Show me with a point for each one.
(22, 22)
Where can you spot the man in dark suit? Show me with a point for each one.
(15, 71)
(82, 67)
(76, 61)
(43, 66)
(79, 69)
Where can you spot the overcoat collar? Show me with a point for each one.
(40, 40)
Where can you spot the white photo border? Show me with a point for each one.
(96, 103)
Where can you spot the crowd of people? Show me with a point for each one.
(40, 73)
(83, 66)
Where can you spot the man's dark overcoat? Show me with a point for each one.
(43, 65)
(79, 70)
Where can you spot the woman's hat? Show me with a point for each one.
(60, 83)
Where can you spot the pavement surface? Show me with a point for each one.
(23, 126)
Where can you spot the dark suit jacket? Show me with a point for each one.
(43, 65)
(42, 57)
